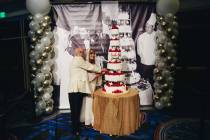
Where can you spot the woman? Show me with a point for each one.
(95, 80)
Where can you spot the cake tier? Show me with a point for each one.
(128, 54)
(114, 31)
(114, 66)
(123, 15)
(125, 41)
(115, 77)
(127, 66)
(115, 89)
(114, 55)
(132, 78)
(114, 42)
(125, 29)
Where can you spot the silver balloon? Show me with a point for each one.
(159, 105)
(39, 31)
(33, 39)
(39, 48)
(44, 55)
(49, 110)
(40, 77)
(50, 102)
(40, 89)
(50, 34)
(38, 17)
(34, 26)
(32, 46)
(49, 62)
(45, 41)
(156, 85)
(164, 99)
(161, 65)
(33, 82)
(38, 111)
(41, 104)
(158, 91)
(48, 76)
(168, 104)
(47, 19)
(39, 62)
(166, 73)
(48, 48)
(32, 62)
(46, 83)
(46, 96)
(49, 89)
(170, 92)
(31, 33)
(32, 54)
(30, 17)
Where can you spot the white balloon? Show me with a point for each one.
(45, 69)
(49, 89)
(38, 17)
(34, 26)
(45, 41)
(167, 6)
(39, 48)
(38, 6)
(46, 96)
(41, 105)
(49, 62)
(49, 34)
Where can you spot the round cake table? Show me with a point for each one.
(116, 114)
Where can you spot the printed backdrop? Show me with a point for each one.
(87, 26)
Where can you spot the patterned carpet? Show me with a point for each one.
(183, 129)
(58, 127)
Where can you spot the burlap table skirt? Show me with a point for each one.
(116, 114)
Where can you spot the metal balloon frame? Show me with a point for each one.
(41, 62)
(165, 64)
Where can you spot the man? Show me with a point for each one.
(79, 85)
(146, 47)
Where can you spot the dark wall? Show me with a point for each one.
(192, 75)
(12, 58)
(14, 97)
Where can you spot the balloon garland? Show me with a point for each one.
(41, 55)
(166, 43)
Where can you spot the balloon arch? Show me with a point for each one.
(42, 53)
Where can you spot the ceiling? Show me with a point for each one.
(17, 7)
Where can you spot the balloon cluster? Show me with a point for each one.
(165, 64)
(41, 54)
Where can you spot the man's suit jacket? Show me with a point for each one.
(79, 81)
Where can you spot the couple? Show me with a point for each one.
(83, 78)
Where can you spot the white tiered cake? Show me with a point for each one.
(128, 53)
(114, 77)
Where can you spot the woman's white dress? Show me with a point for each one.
(86, 111)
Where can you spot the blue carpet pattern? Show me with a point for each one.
(183, 129)
(59, 128)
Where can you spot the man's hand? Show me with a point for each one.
(104, 70)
